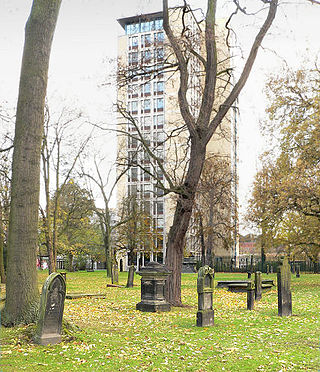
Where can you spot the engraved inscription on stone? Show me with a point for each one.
(51, 310)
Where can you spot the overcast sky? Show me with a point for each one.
(86, 40)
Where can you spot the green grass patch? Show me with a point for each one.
(108, 334)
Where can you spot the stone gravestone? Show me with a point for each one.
(258, 285)
(51, 310)
(250, 296)
(284, 289)
(268, 269)
(153, 279)
(271, 269)
(298, 271)
(205, 314)
(130, 276)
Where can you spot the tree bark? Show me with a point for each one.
(2, 271)
(178, 230)
(22, 294)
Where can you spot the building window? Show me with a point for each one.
(158, 87)
(145, 40)
(158, 37)
(157, 207)
(132, 190)
(158, 192)
(146, 56)
(158, 24)
(146, 175)
(132, 143)
(158, 121)
(146, 190)
(133, 91)
(133, 58)
(133, 107)
(133, 42)
(159, 54)
(146, 123)
(146, 89)
(158, 104)
(133, 174)
(132, 28)
(146, 106)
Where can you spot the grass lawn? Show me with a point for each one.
(112, 336)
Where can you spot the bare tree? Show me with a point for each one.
(55, 142)
(108, 225)
(22, 293)
(212, 220)
(216, 94)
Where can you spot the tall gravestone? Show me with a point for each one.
(153, 279)
(205, 314)
(258, 285)
(51, 310)
(250, 295)
(284, 288)
(298, 271)
(130, 276)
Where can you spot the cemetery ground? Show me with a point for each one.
(109, 334)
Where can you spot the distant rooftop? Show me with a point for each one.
(139, 18)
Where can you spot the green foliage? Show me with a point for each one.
(108, 334)
(285, 202)
(78, 232)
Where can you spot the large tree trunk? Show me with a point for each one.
(2, 272)
(22, 294)
(178, 230)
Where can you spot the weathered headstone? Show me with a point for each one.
(115, 274)
(257, 286)
(268, 269)
(130, 276)
(153, 279)
(271, 269)
(205, 314)
(51, 310)
(250, 296)
(284, 289)
(298, 271)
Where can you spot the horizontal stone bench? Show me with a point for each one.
(241, 285)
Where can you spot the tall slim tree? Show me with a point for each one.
(22, 288)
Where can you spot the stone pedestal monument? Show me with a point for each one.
(153, 278)
(51, 310)
(284, 289)
(205, 314)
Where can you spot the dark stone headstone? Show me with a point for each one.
(298, 271)
(153, 279)
(51, 310)
(257, 285)
(205, 314)
(284, 289)
(250, 296)
(130, 276)
(268, 269)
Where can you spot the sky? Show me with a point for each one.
(85, 44)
